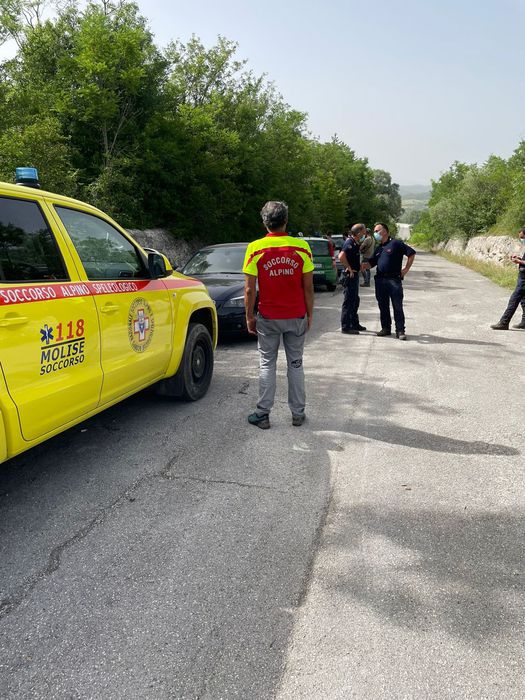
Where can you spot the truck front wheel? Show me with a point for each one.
(196, 368)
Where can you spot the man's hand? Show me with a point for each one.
(250, 293)
(404, 273)
(309, 320)
(365, 266)
(350, 272)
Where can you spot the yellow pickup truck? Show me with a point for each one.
(87, 318)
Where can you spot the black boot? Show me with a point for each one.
(499, 326)
(521, 325)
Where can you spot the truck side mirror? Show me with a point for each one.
(156, 266)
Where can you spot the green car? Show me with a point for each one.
(325, 271)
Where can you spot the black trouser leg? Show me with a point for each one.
(383, 301)
(516, 298)
(349, 316)
(396, 294)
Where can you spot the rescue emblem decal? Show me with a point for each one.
(141, 325)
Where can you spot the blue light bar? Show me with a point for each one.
(27, 177)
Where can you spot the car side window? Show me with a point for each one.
(105, 253)
(28, 249)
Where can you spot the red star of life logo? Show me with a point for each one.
(141, 325)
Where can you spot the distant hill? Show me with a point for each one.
(409, 191)
(414, 200)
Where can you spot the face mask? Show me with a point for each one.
(377, 236)
(363, 238)
(522, 241)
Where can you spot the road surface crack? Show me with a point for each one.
(11, 602)
(232, 482)
(15, 599)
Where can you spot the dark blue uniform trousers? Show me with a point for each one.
(349, 317)
(517, 297)
(390, 289)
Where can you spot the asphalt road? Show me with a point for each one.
(166, 550)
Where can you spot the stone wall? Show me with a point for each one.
(176, 250)
(495, 249)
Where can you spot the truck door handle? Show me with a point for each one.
(109, 308)
(13, 321)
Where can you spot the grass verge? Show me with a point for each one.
(504, 275)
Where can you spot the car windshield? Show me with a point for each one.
(216, 261)
(319, 246)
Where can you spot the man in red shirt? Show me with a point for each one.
(284, 269)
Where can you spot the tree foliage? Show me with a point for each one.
(187, 138)
(471, 200)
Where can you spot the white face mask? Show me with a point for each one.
(378, 236)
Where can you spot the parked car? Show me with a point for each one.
(219, 267)
(338, 242)
(87, 318)
(325, 271)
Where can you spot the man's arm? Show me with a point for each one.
(407, 267)
(308, 286)
(344, 262)
(516, 259)
(250, 292)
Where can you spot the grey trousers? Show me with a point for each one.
(269, 332)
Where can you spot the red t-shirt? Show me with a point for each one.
(279, 262)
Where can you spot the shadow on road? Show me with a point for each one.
(393, 434)
(428, 339)
(452, 571)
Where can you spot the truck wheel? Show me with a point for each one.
(196, 368)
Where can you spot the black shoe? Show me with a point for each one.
(499, 326)
(298, 420)
(401, 335)
(364, 285)
(383, 332)
(262, 422)
(350, 331)
(361, 328)
(521, 325)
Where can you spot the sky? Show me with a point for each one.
(411, 85)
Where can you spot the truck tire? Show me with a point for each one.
(196, 368)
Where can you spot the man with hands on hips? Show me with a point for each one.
(389, 278)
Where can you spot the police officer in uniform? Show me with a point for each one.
(389, 278)
(351, 261)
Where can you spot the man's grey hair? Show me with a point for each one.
(274, 215)
(358, 228)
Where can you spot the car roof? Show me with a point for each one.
(315, 238)
(237, 244)
(33, 193)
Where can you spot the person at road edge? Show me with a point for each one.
(283, 267)
(367, 248)
(389, 278)
(518, 295)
